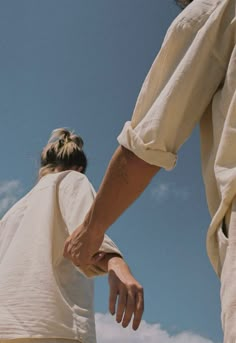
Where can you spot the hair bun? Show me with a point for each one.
(78, 141)
(60, 134)
(64, 150)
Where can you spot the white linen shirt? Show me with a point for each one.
(192, 79)
(42, 294)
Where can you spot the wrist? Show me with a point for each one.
(116, 263)
(109, 261)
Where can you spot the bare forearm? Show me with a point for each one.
(109, 259)
(126, 178)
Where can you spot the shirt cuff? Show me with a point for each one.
(130, 139)
(108, 247)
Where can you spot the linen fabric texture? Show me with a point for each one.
(193, 80)
(42, 294)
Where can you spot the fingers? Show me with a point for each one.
(139, 309)
(82, 245)
(121, 306)
(130, 309)
(133, 306)
(112, 300)
(65, 253)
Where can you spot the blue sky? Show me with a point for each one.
(80, 64)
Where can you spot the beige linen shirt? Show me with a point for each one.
(42, 294)
(193, 79)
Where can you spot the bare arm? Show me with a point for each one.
(126, 178)
(126, 298)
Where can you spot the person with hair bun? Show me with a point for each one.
(43, 296)
(63, 151)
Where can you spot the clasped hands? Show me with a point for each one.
(126, 298)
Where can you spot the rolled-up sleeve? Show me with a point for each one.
(176, 92)
(76, 195)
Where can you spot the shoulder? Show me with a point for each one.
(71, 175)
(197, 14)
(73, 180)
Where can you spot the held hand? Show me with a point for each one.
(126, 294)
(81, 246)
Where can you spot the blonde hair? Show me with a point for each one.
(63, 152)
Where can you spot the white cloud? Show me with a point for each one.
(164, 191)
(109, 331)
(10, 192)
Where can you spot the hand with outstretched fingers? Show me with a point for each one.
(126, 298)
